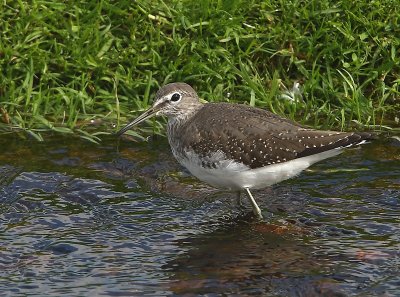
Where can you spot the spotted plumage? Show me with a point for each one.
(253, 136)
(239, 147)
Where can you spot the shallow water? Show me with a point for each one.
(78, 219)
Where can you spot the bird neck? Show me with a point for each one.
(175, 125)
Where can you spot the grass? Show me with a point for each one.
(84, 67)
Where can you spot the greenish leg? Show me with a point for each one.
(256, 209)
(238, 199)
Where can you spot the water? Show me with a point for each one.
(78, 219)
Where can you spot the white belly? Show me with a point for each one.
(236, 176)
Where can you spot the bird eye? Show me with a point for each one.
(175, 97)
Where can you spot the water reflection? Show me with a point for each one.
(251, 259)
(80, 219)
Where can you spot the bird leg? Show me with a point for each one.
(256, 209)
(238, 199)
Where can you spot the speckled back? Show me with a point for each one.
(252, 136)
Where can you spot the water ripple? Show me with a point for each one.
(97, 222)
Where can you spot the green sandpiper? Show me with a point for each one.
(238, 147)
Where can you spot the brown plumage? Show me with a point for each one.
(256, 137)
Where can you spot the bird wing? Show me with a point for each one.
(256, 137)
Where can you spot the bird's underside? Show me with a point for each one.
(255, 137)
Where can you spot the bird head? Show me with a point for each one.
(174, 100)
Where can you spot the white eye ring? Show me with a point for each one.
(175, 97)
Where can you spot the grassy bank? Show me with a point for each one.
(68, 67)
